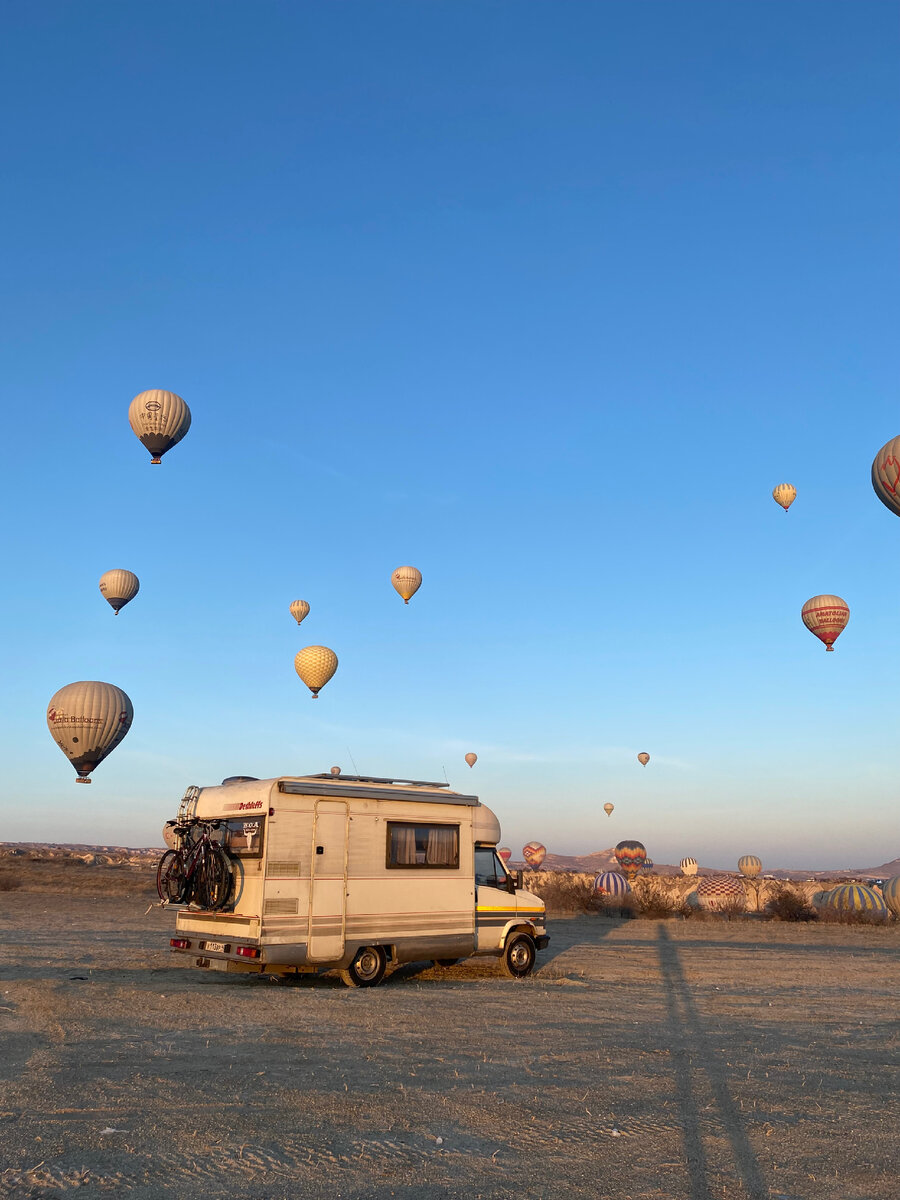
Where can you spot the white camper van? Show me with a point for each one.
(356, 873)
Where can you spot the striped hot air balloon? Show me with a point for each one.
(826, 617)
(891, 894)
(406, 582)
(611, 883)
(88, 719)
(784, 494)
(689, 866)
(749, 866)
(717, 892)
(854, 897)
(118, 587)
(160, 420)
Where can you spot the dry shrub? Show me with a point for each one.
(9, 881)
(850, 916)
(562, 891)
(788, 905)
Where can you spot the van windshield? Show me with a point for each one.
(489, 870)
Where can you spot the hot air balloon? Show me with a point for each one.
(505, 853)
(891, 893)
(717, 892)
(689, 866)
(608, 809)
(471, 759)
(299, 610)
(643, 758)
(118, 587)
(886, 475)
(315, 665)
(534, 854)
(160, 420)
(647, 864)
(88, 719)
(749, 866)
(335, 770)
(406, 581)
(630, 855)
(826, 617)
(611, 883)
(854, 897)
(785, 495)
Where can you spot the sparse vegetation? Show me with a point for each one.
(10, 880)
(789, 905)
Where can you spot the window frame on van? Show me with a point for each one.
(392, 824)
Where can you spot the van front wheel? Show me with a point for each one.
(367, 969)
(518, 956)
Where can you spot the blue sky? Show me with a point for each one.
(541, 298)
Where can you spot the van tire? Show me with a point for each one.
(519, 955)
(367, 968)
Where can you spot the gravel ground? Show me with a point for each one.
(643, 1061)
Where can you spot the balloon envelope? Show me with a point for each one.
(749, 866)
(717, 892)
(87, 720)
(689, 866)
(160, 420)
(471, 759)
(853, 897)
(785, 495)
(611, 883)
(630, 856)
(534, 854)
(505, 853)
(315, 665)
(643, 758)
(826, 617)
(406, 581)
(891, 894)
(608, 809)
(118, 587)
(886, 475)
(299, 610)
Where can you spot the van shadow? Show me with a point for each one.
(691, 1049)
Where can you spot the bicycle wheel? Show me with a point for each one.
(170, 880)
(213, 886)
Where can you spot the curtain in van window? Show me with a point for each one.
(441, 848)
(403, 845)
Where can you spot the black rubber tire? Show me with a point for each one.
(170, 880)
(367, 968)
(447, 962)
(519, 956)
(213, 880)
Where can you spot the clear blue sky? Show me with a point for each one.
(542, 298)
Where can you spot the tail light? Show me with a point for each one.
(247, 951)
(179, 943)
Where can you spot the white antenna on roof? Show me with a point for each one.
(355, 767)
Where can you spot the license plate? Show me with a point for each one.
(215, 947)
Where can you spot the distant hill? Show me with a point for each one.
(605, 860)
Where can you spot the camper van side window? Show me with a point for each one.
(243, 838)
(410, 846)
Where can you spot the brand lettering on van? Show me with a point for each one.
(244, 806)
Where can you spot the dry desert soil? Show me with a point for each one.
(645, 1060)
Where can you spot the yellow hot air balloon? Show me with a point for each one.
(406, 581)
(315, 665)
(471, 759)
(749, 866)
(826, 617)
(299, 609)
(118, 587)
(785, 495)
(160, 420)
(88, 719)
(608, 809)
(643, 758)
(886, 475)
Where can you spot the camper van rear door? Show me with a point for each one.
(328, 881)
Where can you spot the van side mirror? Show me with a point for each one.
(520, 879)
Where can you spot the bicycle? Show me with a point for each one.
(197, 871)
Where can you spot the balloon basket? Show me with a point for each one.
(82, 779)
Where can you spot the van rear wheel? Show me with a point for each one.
(367, 968)
(518, 956)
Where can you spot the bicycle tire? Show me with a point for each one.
(170, 878)
(213, 886)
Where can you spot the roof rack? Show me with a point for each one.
(342, 778)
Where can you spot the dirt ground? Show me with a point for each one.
(644, 1059)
